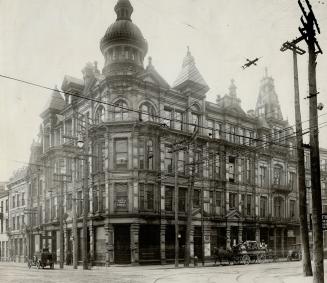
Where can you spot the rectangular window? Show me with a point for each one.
(69, 128)
(263, 206)
(248, 204)
(7, 205)
(14, 223)
(168, 117)
(227, 132)
(121, 197)
(17, 223)
(292, 208)
(263, 176)
(102, 198)
(233, 201)
(169, 195)
(178, 121)
(217, 166)
(195, 121)
(121, 153)
(182, 199)
(13, 201)
(141, 154)
(146, 196)
(23, 199)
(218, 131)
(79, 203)
(241, 135)
(95, 199)
(219, 199)
(231, 169)
(47, 211)
(18, 200)
(292, 181)
(277, 175)
(149, 154)
(168, 159)
(181, 162)
(69, 201)
(196, 198)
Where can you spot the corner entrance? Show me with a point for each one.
(122, 244)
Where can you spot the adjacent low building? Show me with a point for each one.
(17, 195)
(4, 224)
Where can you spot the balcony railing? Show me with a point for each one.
(281, 188)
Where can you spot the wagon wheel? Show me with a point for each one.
(261, 258)
(245, 259)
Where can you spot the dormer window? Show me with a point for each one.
(99, 115)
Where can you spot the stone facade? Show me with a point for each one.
(4, 224)
(243, 164)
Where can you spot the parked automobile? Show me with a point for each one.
(294, 253)
(42, 259)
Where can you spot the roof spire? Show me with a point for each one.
(124, 10)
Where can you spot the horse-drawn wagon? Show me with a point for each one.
(244, 253)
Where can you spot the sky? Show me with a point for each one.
(43, 40)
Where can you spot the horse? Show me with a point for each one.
(222, 254)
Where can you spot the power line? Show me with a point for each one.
(128, 109)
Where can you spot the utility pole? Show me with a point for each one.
(59, 177)
(306, 261)
(176, 208)
(308, 33)
(61, 212)
(75, 245)
(190, 200)
(85, 194)
(189, 213)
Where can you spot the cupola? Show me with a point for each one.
(123, 45)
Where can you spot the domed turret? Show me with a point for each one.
(123, 44)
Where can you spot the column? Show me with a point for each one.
(282, 241)
(109, 231)
(163, 243)
(228, 228)
(192, 242)
(207, 241)
(24, 248)
(240, 234)
(135, 229)
(91, 229)
(257, 234)
(275, 240)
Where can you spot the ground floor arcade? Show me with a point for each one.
(138, 241)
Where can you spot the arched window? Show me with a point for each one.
(278, 175)
(120, 111)
(279, 207)
(195, 114)
(99, 115)
(147, 112)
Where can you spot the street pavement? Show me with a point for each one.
(279, 272)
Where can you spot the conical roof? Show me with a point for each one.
(56, 101)
(190, 75)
